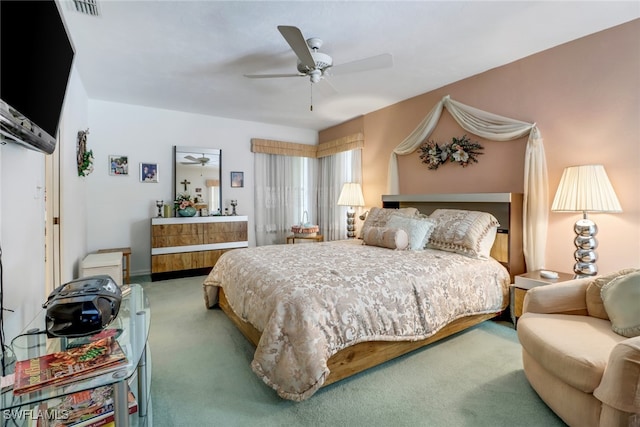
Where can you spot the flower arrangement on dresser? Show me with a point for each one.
(184, 205)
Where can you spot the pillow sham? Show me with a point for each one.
(469, 233)
(418, 229)
(384, 237)
(378, 217)
(621, 299)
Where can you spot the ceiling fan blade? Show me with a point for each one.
(296, 40)
(193, 159)
(271, 76)
(326, 88)
(384, 60)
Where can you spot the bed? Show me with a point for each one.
(321, 312)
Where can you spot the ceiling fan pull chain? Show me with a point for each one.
(311, 95)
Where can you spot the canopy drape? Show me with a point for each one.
(496, 128)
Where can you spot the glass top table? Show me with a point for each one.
(133, 321)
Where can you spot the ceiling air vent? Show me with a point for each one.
(88, 7)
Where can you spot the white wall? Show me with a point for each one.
(73, 188)
(22, 216)
(21, 235)
(120, 207)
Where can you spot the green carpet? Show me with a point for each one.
(201, 377)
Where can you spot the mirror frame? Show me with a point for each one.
(197, 151)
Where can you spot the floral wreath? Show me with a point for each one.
(84, 156)
(461, 150)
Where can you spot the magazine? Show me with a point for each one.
(92, 359)
(89, 408)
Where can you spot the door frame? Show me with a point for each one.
(53, 225)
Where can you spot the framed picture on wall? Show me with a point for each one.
(118, 165)
(148, 172)
(237, 179)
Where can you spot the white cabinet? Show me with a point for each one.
(103, 263)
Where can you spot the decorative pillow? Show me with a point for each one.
(392, 238)
(470, 233)
(418, 229)
(621, 298)
(378, 217)
(595, 307)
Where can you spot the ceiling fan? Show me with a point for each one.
(316, 65)
(196, 160)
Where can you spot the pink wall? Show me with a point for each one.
(585, 98)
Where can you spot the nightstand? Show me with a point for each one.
(316, 238)
(526, 281)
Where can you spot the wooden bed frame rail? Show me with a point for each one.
(364, 355)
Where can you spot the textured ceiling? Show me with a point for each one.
(191, 55)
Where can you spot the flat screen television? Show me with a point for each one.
(36, 55)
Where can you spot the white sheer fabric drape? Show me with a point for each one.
(496, 128)
(333, 172)
(285, 188)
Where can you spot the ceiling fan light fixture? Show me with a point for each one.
(322, 61)
(315, 76)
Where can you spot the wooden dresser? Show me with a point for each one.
(188, 246)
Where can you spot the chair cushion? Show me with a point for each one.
(573, 348)
(621, 299)
(594, 300)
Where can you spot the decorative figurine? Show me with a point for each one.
(234, 203)
(159, 204)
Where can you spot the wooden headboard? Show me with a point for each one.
(506, 207)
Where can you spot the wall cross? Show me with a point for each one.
(185, 183)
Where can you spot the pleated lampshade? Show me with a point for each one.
(585, 188)
(351, 195)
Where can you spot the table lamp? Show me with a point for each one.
(585, 189)
(351, 195)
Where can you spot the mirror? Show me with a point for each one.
(197, 172)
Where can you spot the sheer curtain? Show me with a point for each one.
(333, 172)
(285, 188)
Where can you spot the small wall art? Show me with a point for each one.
(148, 172)
(118, 165)
(237, 179)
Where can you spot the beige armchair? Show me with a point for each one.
(586, 373)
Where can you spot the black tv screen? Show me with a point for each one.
(35, 61)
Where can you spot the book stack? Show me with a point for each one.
(78, 363)
(89, 408)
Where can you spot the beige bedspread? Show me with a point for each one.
(312, 300)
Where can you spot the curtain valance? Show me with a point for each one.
(329, 148)
(347, 143)
(496, 128)
(268, 146)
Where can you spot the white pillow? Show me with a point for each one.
(418, 229)
(470, 233)
(392, 238)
